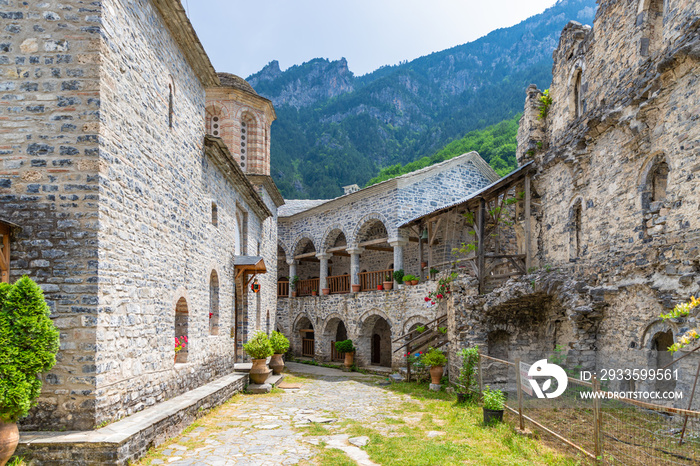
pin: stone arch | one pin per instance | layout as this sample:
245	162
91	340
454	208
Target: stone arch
334	329
302	322
332	235
181	328
214	117
412	322
653	182
575	84
657	337
366	221
374	341
303	245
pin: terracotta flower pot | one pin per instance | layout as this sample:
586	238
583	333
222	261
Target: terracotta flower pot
436	374
9	438
326	291
294	294
388	285
314	293
259	372
423	265
355	288
414	282
277	364
349	359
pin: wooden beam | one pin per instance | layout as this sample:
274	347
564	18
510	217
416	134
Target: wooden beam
413	240
5	254
528	200
431	238
372	242
336	249
379	248
305	255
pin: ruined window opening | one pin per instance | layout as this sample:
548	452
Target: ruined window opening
575	231
655	186
498	343
214	303
578	100
181	329
214	214
651	20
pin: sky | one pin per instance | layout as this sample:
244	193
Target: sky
241	37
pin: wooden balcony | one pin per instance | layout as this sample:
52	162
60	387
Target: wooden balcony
339	284
305	287
282	289
371	280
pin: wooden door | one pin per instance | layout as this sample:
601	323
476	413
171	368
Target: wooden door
376	349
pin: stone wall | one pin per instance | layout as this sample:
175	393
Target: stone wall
50	107
359	312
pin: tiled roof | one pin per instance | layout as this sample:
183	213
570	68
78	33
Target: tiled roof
294	206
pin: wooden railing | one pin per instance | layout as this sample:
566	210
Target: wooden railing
307	347
339	284
283	289
370	280
304	287
336	356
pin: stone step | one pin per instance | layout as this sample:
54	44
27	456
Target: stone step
125	441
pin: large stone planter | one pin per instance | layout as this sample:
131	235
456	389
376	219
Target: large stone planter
9	438
277	364
259	372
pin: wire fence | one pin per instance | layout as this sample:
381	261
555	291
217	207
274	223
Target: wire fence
590	420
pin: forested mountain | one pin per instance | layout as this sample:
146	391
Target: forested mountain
335	129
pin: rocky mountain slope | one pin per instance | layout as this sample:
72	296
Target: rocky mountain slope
335	129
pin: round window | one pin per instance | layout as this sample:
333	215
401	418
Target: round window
216	133
242	165
242	151
242	144
242	123
242	157
216	118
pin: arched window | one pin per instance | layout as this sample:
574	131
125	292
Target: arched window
241	234
214	303
655	184
650	19
181	330
577	97
214	214
249	141
660	344
575	230
170	105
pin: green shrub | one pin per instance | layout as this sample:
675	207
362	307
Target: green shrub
398	275
467	380
259	346
494	399
434	357
280	343
409	277
344	346
29	342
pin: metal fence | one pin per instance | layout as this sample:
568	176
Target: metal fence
607	431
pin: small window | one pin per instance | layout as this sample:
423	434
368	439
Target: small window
170	106
214	214
578	99
575	231
213	303
655	186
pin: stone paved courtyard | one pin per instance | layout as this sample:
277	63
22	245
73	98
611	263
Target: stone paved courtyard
270	429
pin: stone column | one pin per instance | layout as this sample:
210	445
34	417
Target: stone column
323	274
398	244
355	264
292	271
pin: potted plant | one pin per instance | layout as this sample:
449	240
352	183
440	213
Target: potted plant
345	347
494	403
410	279
29	345
467	382
355	288
388	282
423	264
433	272
180	344
436	359
293	285
280	345
398	276
326	291
314	292
259	349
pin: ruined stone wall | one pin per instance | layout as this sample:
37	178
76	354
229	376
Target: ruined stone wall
50	108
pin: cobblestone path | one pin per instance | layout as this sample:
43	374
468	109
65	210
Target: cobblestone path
269	429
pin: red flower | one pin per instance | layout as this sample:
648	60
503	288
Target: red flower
432	302
440	296
211	314
427	298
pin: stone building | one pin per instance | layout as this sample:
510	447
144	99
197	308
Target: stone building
615	231
358	240
138	227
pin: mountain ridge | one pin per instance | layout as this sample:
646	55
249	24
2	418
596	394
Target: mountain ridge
335	129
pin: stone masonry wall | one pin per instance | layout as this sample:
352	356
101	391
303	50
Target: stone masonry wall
49	164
